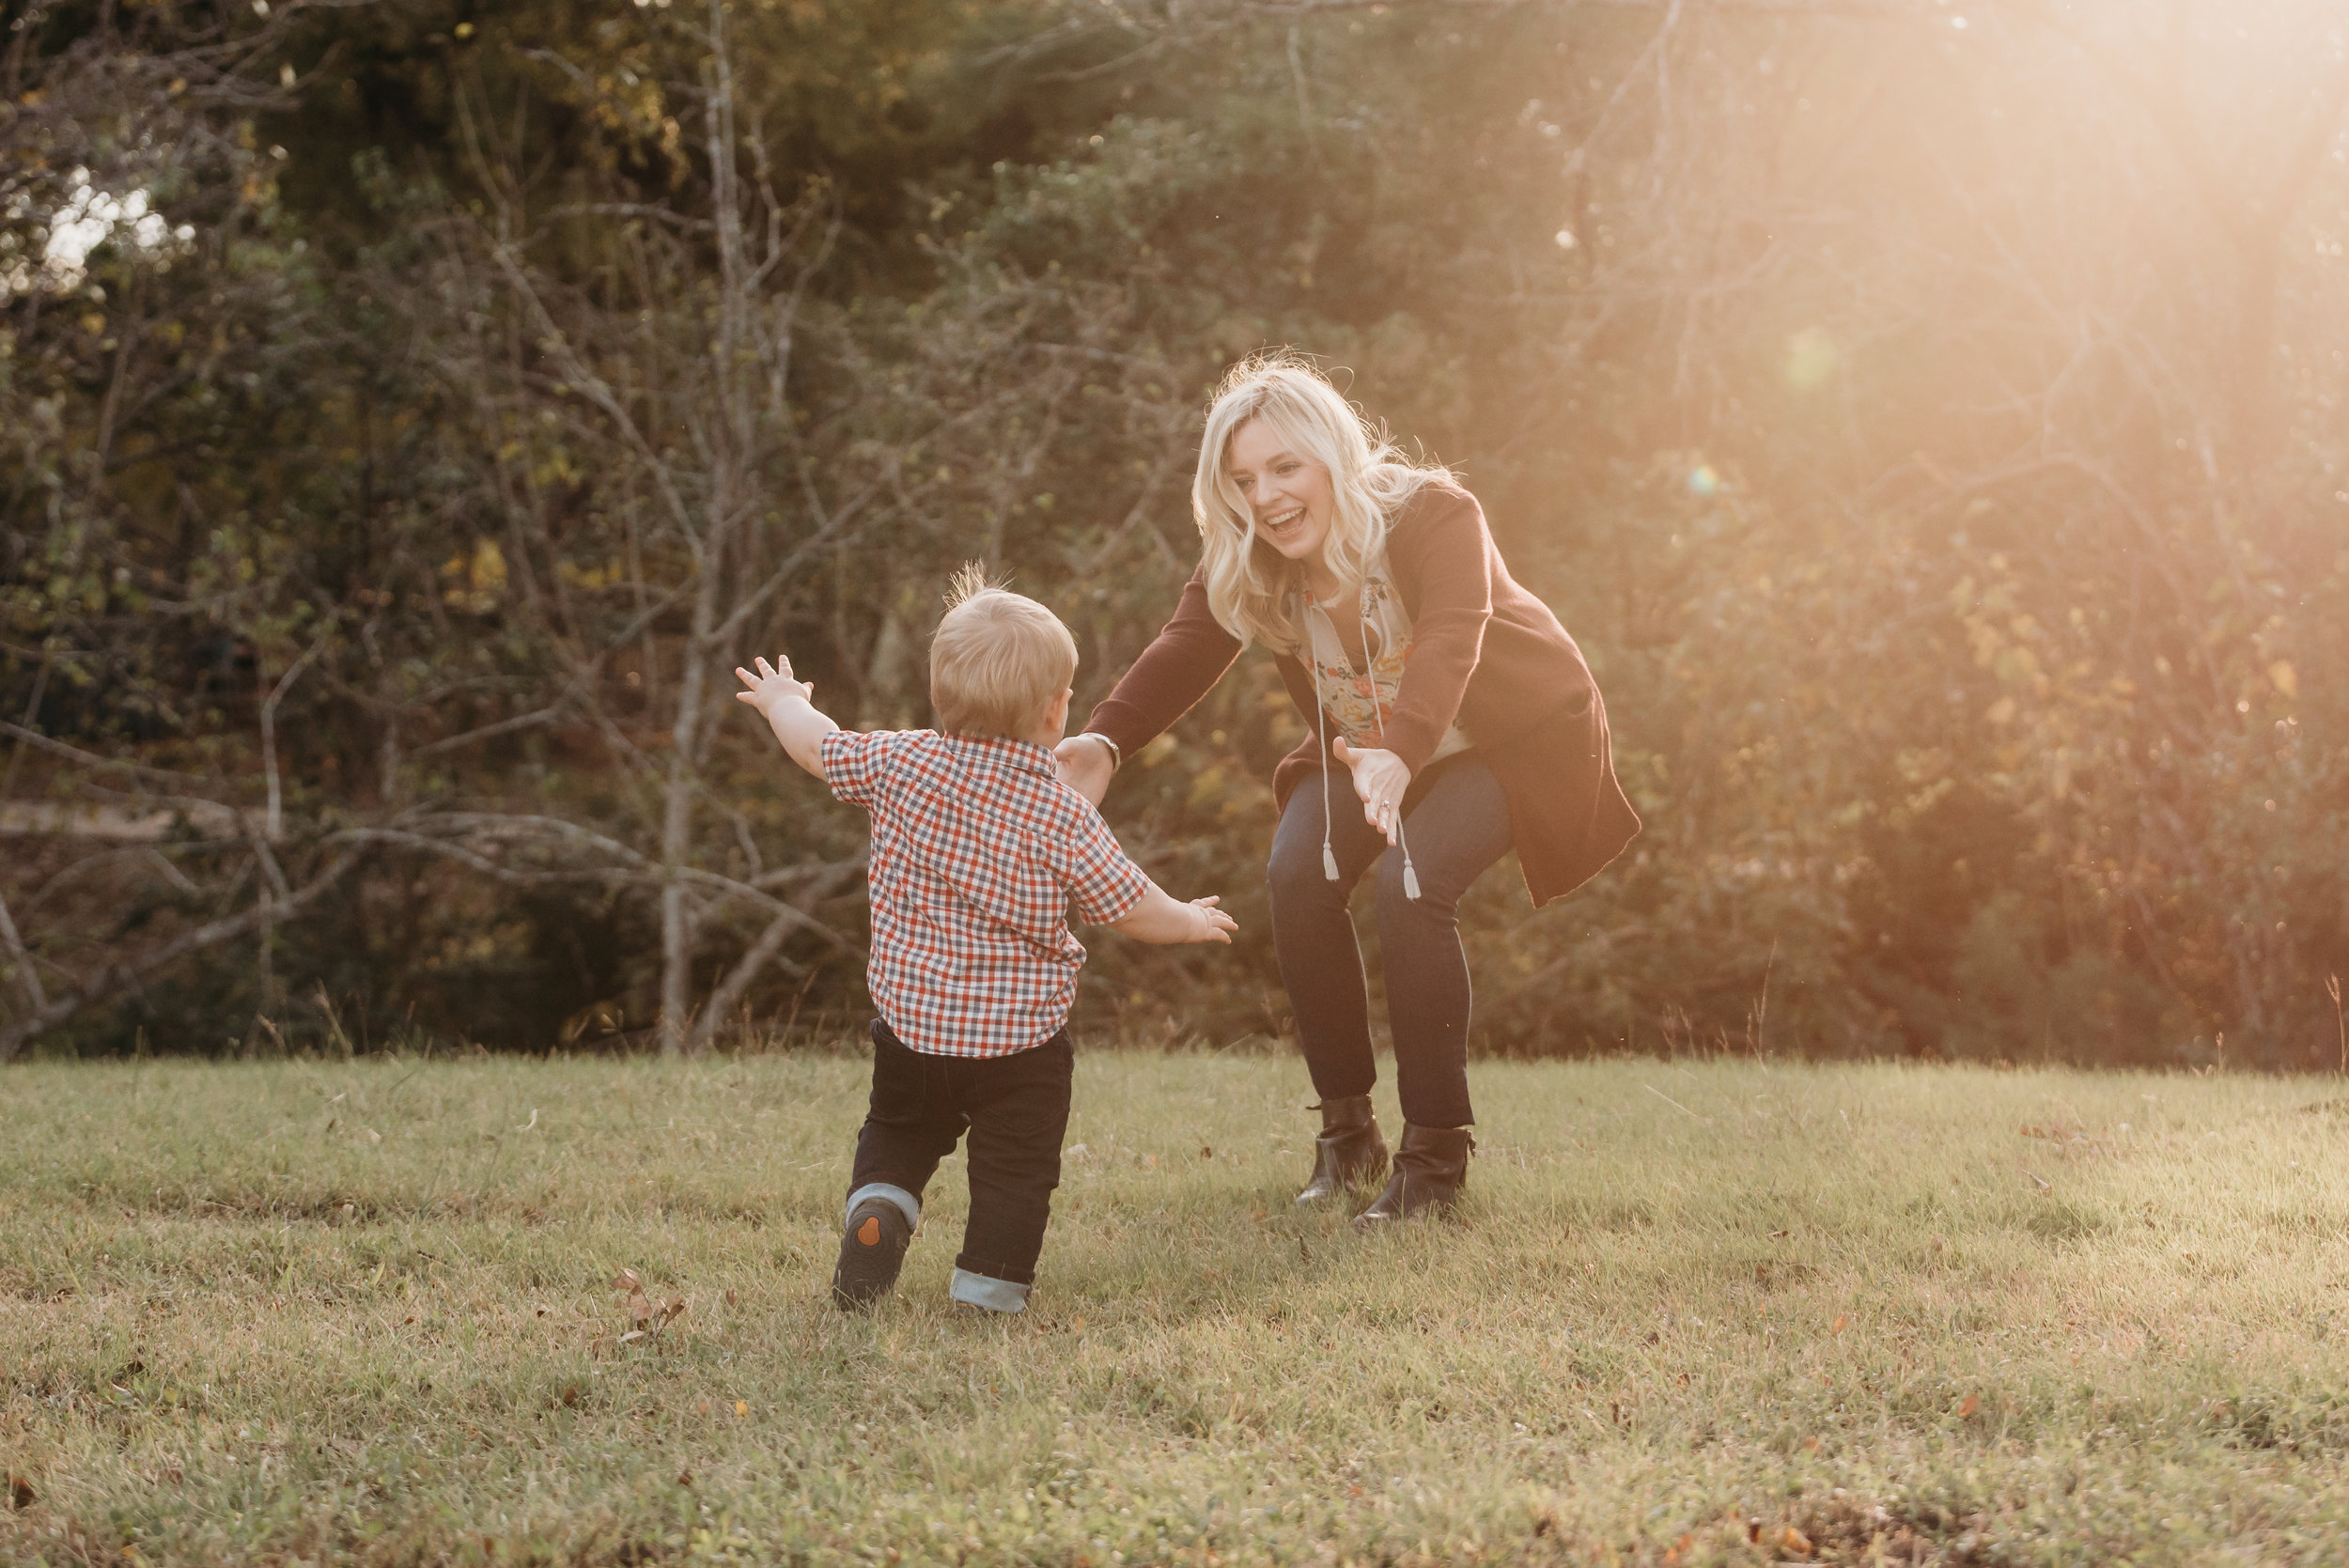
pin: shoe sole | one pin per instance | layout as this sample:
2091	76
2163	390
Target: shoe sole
872	1251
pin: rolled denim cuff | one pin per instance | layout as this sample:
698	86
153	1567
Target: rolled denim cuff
907	1204
979	1290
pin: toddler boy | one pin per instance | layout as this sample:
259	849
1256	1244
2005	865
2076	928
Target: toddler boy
979	850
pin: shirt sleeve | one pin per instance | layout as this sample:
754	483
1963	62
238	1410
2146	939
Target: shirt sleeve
1443	557
1180	666
1104	884
854	763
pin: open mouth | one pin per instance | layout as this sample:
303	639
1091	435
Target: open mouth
1283	523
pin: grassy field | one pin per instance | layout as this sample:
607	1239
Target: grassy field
1714	1312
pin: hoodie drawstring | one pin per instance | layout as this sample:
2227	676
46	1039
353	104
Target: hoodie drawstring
1321	716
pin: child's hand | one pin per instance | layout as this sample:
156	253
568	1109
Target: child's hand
771	684
1214	925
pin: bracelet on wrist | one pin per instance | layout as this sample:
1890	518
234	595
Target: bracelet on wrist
1118	757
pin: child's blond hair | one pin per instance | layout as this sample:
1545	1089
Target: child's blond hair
999	659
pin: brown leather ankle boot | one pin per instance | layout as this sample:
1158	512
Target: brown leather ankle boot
1430	1169
1348	1151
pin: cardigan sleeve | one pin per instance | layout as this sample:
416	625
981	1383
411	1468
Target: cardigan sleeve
1180	666
1441	556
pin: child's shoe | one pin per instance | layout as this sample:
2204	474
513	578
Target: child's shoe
872	1250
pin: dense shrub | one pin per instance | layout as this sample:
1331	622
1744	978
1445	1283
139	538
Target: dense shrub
1933	434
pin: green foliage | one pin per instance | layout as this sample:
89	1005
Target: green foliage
1931	435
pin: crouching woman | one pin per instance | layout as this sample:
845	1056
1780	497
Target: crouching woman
1452	719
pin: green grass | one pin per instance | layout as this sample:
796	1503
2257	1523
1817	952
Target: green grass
361	1311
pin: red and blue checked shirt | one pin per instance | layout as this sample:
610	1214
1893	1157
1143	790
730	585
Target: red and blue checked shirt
978	849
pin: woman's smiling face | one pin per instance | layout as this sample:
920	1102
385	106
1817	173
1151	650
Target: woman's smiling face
1289	495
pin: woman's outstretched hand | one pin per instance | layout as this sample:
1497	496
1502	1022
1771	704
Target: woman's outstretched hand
1379	778
1084	767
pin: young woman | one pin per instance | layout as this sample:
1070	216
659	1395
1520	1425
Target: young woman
1445	698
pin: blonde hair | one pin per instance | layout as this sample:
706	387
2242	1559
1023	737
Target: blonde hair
1369	480
999	659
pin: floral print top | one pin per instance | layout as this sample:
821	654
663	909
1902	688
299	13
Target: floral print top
1359	700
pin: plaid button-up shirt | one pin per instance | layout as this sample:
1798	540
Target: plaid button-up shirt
978	849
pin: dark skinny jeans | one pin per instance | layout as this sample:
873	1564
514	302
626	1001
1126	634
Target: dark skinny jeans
1456	820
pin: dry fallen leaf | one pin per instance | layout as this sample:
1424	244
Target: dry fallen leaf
676	1309
742	1407
631	1334
1076	1324
1206	1153
639	1308
627	1279
1837	1326
20	1493
1972	1403
1795	1542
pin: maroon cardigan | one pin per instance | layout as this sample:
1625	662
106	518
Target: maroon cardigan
1484	651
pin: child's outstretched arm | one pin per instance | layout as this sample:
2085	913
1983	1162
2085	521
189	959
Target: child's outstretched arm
785	703
1161	918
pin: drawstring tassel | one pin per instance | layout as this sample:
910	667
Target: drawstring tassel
1321	720
1411	872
